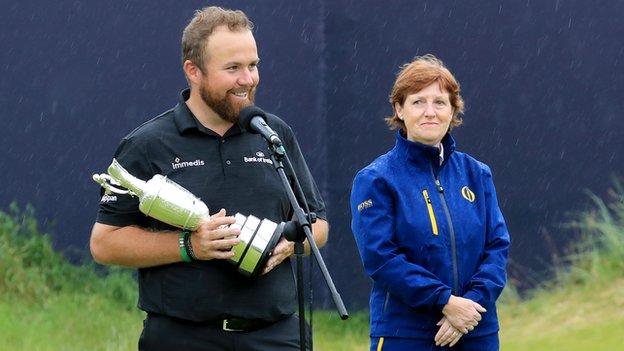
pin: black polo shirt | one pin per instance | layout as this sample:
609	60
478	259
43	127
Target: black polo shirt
233	172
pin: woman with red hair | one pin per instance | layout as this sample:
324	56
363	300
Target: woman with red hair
428	226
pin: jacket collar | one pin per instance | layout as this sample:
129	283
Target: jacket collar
420	153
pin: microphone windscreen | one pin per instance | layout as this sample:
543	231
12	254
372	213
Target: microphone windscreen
247	113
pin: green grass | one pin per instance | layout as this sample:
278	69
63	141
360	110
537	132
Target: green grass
69	322
571	319
48	304
583	307
332	333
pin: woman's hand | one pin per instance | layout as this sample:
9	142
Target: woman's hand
447	334
463	314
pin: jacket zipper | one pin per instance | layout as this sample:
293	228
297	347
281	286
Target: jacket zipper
434	224
447	214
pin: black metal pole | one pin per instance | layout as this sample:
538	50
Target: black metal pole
342	311
300	295
302	220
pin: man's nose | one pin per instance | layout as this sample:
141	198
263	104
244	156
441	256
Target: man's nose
246	78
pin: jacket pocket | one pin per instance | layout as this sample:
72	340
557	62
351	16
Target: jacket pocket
434	223
385	304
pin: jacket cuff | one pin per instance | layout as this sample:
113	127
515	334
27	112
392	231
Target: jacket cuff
444	297
473	295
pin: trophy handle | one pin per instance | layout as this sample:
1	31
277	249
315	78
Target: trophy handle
107	182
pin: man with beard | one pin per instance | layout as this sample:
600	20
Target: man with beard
195	299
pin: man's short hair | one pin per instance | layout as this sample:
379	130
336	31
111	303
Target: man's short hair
196	33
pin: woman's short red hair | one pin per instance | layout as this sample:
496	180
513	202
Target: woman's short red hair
415	76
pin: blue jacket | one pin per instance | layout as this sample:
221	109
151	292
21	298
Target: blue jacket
427	230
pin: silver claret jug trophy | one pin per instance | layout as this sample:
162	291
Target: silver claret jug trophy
168	202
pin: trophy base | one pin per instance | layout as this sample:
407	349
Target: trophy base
258	239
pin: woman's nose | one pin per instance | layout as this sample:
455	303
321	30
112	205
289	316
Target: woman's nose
429	110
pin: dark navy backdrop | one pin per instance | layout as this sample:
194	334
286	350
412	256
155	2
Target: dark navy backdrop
542	82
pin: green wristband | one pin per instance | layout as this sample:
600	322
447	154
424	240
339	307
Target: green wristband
188	245
185	257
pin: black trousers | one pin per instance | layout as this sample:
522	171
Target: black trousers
162	333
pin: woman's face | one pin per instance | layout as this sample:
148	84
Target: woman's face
427	114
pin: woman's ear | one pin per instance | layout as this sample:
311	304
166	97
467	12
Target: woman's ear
399	110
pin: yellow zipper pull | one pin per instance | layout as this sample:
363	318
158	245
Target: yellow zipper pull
434	224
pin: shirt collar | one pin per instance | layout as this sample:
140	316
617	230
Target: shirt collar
441	153
185	120
418	152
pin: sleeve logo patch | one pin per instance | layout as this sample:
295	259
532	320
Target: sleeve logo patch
468	194
364	205
108	198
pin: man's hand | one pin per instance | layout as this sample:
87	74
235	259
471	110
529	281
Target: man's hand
214	239
285	248
463	314
447	334
282	251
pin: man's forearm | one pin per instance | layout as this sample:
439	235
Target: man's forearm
320	232
133	246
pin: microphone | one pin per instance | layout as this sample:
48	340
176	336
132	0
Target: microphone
253	119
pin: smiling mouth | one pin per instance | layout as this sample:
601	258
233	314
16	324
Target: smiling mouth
241	95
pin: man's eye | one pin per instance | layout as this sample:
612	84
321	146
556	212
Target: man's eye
232	68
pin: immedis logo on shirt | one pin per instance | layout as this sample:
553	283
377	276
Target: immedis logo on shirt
177	164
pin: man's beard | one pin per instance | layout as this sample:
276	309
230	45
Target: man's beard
225	109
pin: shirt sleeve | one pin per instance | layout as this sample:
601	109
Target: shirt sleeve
122	209
373	223
486	285
308	185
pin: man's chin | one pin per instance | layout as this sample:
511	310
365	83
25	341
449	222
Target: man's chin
227	107
240	104
237	108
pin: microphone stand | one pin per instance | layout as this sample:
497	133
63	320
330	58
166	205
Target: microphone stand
303	231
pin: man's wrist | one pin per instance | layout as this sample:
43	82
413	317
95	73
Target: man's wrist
188	245
182	246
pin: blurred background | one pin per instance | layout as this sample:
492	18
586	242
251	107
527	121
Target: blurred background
542	81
